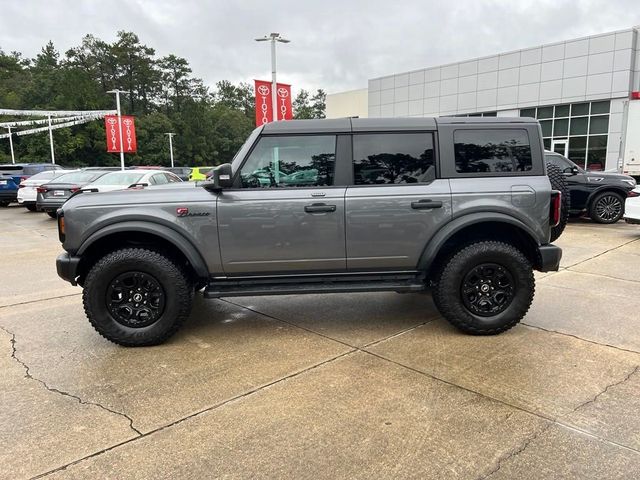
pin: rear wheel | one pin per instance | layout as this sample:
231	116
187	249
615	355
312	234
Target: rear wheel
137	297
607	207
485	288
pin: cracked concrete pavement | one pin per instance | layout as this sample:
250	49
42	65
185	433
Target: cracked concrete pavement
333	386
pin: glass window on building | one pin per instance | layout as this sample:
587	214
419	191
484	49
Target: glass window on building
581	127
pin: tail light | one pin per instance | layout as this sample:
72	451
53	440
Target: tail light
556	208
21	185
61	235
22	179
74	189
41	189
633	193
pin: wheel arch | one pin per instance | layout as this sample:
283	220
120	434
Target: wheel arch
142	234
477	227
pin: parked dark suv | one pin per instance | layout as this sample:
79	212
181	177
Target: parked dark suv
13	173
459	206
600	194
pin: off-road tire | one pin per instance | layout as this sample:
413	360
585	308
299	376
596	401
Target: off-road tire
559	183
447	291
602	197
53	214
31	208
174	281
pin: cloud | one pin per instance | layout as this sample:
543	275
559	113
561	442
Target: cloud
335	45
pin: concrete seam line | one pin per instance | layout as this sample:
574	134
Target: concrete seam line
593	342
58	391
556	420
40	300
196	414
600	254
363	350
306	329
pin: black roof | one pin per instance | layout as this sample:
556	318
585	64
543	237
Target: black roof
347	125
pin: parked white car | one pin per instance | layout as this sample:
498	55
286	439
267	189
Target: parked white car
632	206
124	179
27	190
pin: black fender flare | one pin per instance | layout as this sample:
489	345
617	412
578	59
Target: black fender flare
164	232
432	248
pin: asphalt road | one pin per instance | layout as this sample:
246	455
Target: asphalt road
334	386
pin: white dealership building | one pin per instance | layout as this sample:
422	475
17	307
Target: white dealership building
582	91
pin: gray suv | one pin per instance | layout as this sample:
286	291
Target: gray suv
461	207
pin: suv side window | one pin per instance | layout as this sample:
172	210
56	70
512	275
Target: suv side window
393	158
492	151
294	161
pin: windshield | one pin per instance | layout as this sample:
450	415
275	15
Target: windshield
119	178
78	177
240	154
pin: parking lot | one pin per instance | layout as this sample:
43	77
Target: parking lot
334	386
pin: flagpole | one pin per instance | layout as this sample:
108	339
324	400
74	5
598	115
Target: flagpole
13	158
53	155
117	92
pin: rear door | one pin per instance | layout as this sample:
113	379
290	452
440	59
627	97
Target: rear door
396	202
287	213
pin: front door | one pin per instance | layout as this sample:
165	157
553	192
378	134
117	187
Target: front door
396	204
561	147
286	216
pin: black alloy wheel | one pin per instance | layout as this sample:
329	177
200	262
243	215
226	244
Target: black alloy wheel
487	289
607	207
135	299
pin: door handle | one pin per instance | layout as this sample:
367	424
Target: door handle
319	208
426	204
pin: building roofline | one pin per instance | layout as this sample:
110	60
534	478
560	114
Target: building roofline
630	29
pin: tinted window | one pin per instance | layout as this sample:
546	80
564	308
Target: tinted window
393	158
300	161
78	177
492	151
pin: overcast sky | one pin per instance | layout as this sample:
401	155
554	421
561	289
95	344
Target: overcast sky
335	45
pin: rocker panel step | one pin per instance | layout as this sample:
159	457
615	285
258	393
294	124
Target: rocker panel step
292	286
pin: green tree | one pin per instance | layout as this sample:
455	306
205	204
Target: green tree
307	106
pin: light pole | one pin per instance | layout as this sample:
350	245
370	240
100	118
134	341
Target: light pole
117	92
13	158
53	155
273	38
171	134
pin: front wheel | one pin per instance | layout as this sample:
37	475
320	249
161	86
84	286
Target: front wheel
607	207
485	288
137	297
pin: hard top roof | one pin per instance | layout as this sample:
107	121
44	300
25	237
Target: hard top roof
347	125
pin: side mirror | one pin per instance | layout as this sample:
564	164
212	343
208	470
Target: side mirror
574	171
221	177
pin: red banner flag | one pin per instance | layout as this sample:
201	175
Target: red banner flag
129	142
264	102
284	101
264	106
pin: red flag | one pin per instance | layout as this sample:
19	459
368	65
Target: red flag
129	143
264	113
113	135
284	101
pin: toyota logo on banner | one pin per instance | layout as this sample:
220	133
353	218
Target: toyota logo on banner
264	102
123	133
